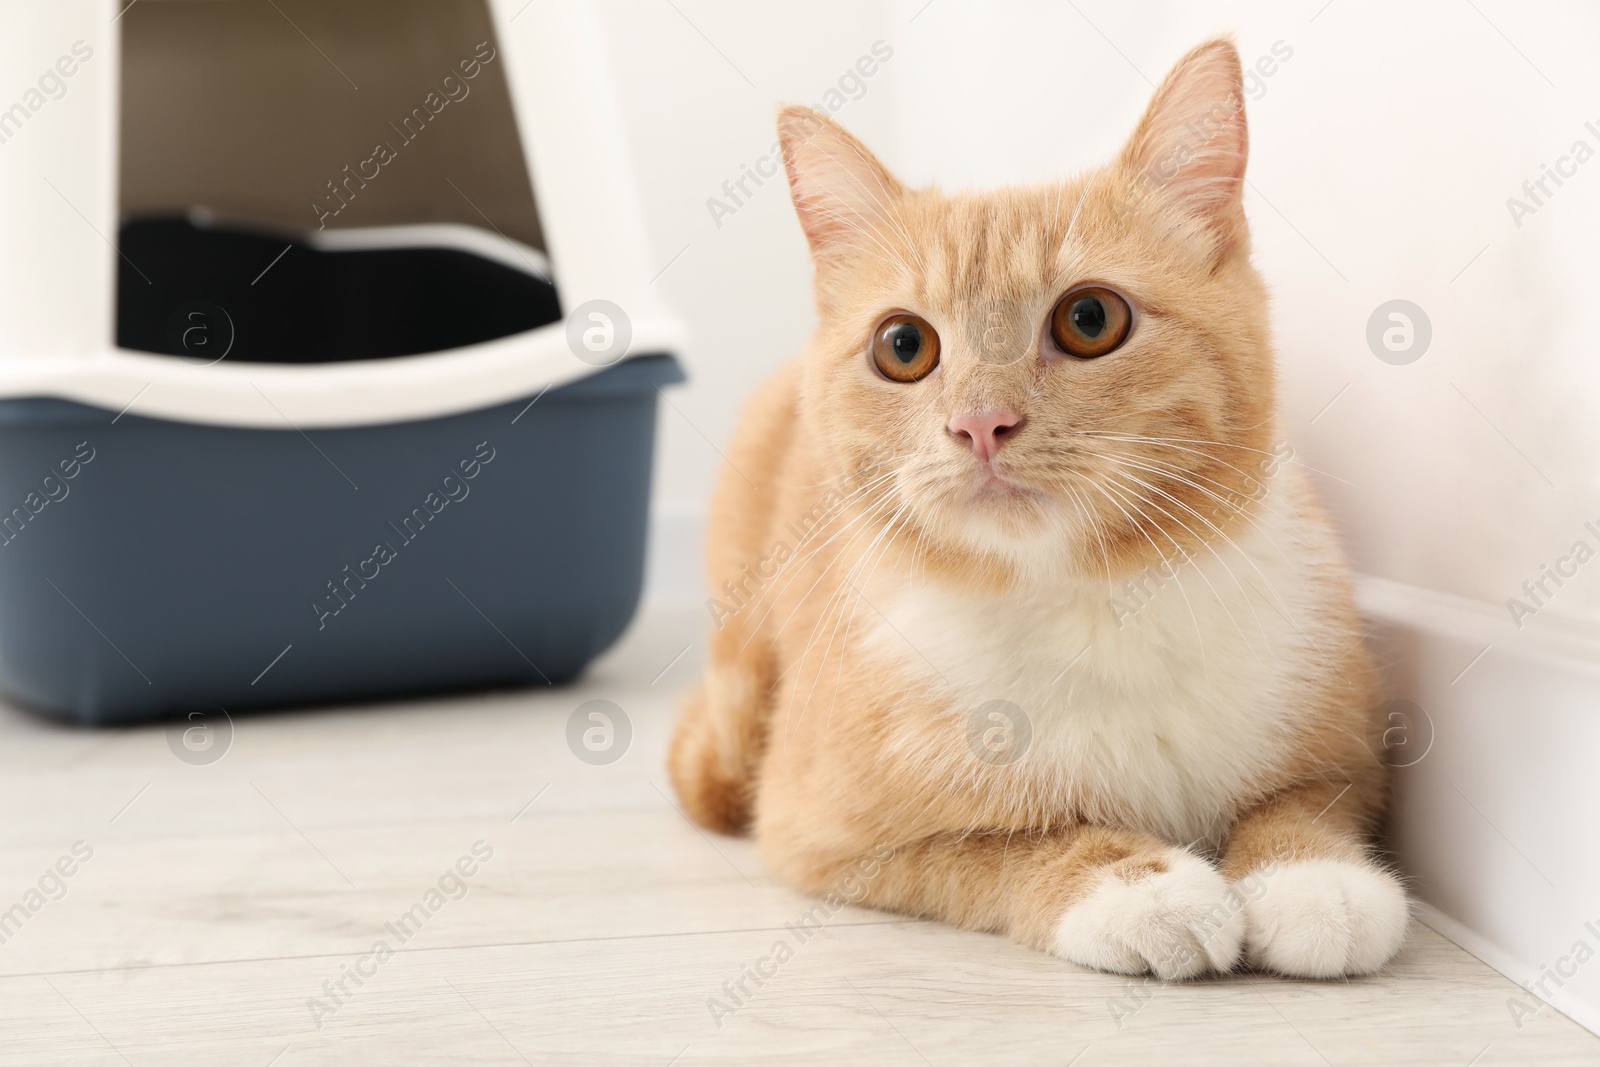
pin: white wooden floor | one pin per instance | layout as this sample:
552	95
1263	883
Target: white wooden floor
220	899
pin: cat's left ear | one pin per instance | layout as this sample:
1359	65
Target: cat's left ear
1192	143
840	189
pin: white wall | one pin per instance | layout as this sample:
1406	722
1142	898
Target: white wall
744	286
1383	153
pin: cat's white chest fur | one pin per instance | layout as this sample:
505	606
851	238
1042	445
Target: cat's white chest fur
1166	722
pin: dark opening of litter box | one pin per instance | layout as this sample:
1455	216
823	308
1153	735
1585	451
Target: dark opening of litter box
212	292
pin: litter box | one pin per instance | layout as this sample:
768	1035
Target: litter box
286	418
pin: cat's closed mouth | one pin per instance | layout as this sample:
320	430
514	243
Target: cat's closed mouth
995	487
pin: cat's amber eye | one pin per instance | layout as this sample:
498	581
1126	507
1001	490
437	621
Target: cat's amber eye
905	348
1090	322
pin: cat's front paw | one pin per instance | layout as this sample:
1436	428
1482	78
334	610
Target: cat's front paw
1176	921
1324	918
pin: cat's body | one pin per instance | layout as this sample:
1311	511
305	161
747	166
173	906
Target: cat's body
1041	628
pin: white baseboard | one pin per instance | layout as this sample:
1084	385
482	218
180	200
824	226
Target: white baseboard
1518	1008
1495	823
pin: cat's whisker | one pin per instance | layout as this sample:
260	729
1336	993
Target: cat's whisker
836	599
1086	521
844	646
864	519
1215	529
797	567
1173	565
867	185
799	556
1243	448
842	505
1184	557
1253	476
840	594
885	213
1189	470
888	252
890	528
857	471
1072	222
1250	516
1253	507
1138	527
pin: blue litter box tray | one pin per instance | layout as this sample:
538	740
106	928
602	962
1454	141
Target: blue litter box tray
152	567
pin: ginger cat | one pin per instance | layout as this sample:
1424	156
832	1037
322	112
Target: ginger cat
1015	584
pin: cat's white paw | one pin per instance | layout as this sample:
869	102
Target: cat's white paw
1175	923
1324	918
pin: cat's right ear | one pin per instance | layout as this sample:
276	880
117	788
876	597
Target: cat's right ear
840	189
1192	143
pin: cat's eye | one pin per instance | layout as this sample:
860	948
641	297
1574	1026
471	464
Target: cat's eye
905	348
1090	322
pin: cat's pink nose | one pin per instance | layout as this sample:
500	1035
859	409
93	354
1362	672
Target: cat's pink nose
985	431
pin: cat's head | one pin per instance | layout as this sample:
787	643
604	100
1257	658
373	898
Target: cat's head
1070	374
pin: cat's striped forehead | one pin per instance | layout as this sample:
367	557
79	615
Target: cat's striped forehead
1004	246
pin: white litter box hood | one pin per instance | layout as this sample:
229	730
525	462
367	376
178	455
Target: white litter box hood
58	269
